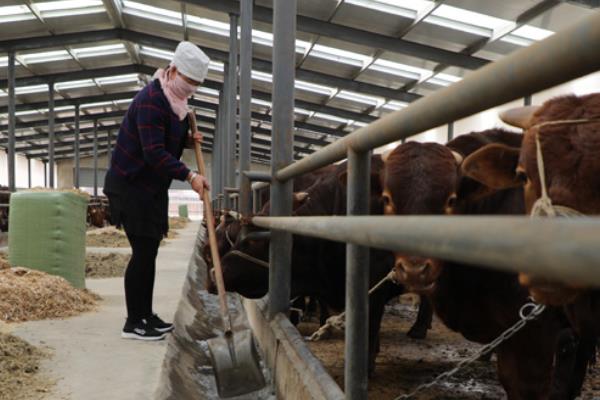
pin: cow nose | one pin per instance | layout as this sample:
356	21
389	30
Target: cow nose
413	271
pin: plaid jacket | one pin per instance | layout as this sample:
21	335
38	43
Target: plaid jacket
150	142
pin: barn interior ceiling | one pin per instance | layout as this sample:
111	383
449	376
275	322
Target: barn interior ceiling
356	59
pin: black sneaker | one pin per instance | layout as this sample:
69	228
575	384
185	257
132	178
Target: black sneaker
158	324
141	331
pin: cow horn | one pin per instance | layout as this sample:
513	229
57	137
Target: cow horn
458	157
300	196
519	116
386	154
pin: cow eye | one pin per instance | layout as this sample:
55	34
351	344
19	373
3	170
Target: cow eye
521	176
386	200
451	201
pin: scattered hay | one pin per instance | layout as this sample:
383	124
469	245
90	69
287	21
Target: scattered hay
4	261
178	222
107	265
19	366
27	295
106	237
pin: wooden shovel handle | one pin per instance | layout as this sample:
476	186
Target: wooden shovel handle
212	235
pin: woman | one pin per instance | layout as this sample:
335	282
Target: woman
144	162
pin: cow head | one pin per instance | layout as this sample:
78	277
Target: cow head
419	178
571	164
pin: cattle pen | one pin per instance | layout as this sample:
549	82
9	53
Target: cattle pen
302	103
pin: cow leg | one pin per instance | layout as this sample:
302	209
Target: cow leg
564	366
586	354
323	311
423	322
525	368
377	302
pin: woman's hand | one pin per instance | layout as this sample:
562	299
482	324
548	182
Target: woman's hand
199	183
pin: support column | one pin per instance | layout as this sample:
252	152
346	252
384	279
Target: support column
357	282
244	199
29	172
232	105
109	153
284	62
77	161
450	131
95	158
12	183
225	146
527	100
46	174
51	134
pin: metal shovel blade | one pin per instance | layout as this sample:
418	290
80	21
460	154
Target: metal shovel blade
236	364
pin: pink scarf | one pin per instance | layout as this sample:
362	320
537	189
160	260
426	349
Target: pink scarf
177	91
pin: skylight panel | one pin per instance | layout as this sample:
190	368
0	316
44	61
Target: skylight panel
4	62
74	84
111	80
98	51
62	8
526	35
31	89
443	79
262	76
360	98
15	14
465	21
98	104
208	91
403	8
313	87
333	118
157	53
27	112
397	69
153	13
45	56
341	56
302	111
261	103
394	105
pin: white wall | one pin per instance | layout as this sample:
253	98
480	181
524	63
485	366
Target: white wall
37	171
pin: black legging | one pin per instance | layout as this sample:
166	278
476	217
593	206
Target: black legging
139	277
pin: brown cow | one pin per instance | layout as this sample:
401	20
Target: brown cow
425	178
4	201
572	174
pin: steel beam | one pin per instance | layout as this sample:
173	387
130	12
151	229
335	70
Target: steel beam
245	199
12	186
280	246
95	150
357	282
51	133
470	240
77	162
557	59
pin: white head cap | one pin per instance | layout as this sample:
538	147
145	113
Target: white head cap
191	61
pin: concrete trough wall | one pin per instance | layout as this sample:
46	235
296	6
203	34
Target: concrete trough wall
298	374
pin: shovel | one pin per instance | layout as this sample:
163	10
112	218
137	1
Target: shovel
234	356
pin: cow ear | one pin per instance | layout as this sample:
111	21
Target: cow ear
519	117
385	155
494	166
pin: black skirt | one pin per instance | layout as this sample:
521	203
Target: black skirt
138	211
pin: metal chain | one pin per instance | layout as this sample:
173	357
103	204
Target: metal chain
536	310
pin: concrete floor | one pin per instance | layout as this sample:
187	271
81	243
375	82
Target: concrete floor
90	359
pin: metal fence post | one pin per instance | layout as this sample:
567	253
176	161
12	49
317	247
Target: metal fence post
232	105
95	158
280	250
244	198
225	156
12	184
357	282
450	131
29	172
77	161
51	134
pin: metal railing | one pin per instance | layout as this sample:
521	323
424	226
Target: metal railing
557	59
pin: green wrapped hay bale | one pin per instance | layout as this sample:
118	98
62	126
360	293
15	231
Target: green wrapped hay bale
183	211
47	233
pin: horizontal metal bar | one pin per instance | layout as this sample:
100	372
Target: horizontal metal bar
557	59
259	185
231	189
258	176
561	249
